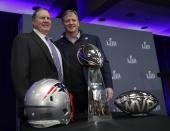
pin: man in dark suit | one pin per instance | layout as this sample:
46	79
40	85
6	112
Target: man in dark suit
31	58
75	75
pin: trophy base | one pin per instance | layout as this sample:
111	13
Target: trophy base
99	118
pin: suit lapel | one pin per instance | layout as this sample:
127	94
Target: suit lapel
43	46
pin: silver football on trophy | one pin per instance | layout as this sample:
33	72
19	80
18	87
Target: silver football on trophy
47	103
90	55
136	102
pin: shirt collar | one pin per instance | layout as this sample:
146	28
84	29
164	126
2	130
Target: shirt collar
42	36
70	37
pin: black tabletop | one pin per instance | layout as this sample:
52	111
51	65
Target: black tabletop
118	123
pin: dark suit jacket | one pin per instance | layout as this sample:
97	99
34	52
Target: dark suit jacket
30	61
84	39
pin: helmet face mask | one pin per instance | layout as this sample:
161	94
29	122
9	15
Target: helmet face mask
89	55
47	103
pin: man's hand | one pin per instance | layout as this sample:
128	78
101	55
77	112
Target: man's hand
109	93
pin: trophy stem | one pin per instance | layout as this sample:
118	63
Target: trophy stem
98	107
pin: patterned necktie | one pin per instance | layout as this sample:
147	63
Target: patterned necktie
55	58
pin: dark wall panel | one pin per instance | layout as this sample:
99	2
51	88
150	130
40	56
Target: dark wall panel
9	28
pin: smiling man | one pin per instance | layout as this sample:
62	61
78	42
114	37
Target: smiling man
75	75
32	58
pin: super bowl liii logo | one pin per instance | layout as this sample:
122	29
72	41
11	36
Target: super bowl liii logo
115	75
146	46
150	75
110	42
131	60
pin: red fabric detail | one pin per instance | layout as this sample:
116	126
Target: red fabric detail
72	105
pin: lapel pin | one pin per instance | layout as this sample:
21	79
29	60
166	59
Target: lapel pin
86	38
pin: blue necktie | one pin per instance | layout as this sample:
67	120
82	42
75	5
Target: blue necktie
55	58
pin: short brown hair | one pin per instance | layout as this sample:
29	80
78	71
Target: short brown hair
68	11
36	11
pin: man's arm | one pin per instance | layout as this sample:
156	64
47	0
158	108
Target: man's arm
19	66
106	73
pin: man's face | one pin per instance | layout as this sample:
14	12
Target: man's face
71	23
42	22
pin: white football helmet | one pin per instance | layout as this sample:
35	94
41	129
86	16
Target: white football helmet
47	103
